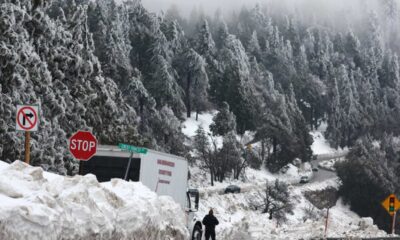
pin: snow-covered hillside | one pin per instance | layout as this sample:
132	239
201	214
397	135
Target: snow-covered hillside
36	205
238	220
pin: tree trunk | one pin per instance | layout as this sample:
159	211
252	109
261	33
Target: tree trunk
262	150
311	118
274	144
187	91
197	115
212	176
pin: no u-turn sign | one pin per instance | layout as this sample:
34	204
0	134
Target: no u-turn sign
27	118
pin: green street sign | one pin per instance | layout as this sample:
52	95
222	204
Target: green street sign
132	149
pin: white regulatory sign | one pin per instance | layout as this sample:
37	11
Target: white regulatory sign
27	118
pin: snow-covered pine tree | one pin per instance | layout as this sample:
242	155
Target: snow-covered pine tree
229	159
196	84
333	132
163	86
224	122
236	86
204	153
350	108
254	48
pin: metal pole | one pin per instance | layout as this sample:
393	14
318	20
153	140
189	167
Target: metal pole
80	168
326	222
393	223
27	147
128	167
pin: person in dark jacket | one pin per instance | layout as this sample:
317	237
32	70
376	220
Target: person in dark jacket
210	221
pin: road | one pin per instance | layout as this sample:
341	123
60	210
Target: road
320	176
323	174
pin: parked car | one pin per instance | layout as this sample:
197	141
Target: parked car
304	179
315	169
232	189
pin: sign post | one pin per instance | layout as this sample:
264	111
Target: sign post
83	145
132	150
128	167
392	205
27	147
27	120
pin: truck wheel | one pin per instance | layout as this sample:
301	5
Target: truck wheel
197	232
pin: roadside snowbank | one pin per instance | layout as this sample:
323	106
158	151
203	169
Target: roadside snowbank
330	164
293	174
38	205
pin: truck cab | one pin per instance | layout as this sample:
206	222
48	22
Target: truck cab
165	174
194	222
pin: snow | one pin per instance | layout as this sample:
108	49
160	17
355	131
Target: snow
39	205
293	173
330	164
320	145
239	221
190	126
204	120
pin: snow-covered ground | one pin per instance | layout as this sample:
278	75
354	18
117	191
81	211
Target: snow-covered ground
320	145
43	206
239	221
190	126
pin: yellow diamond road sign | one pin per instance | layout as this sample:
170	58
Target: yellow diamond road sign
391	204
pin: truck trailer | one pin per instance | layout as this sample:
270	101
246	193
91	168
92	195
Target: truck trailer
165	174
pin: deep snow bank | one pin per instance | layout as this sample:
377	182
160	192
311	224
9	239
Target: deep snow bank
39	205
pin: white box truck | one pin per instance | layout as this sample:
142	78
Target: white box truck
166	174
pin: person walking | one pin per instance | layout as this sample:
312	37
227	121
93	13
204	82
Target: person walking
210	221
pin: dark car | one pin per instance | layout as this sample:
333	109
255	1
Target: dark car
304	179
232	189
315	169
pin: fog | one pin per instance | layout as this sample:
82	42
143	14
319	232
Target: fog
186	6
313	7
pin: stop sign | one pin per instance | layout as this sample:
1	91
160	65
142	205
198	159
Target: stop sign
83	145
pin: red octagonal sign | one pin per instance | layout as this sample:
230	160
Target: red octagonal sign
83	145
